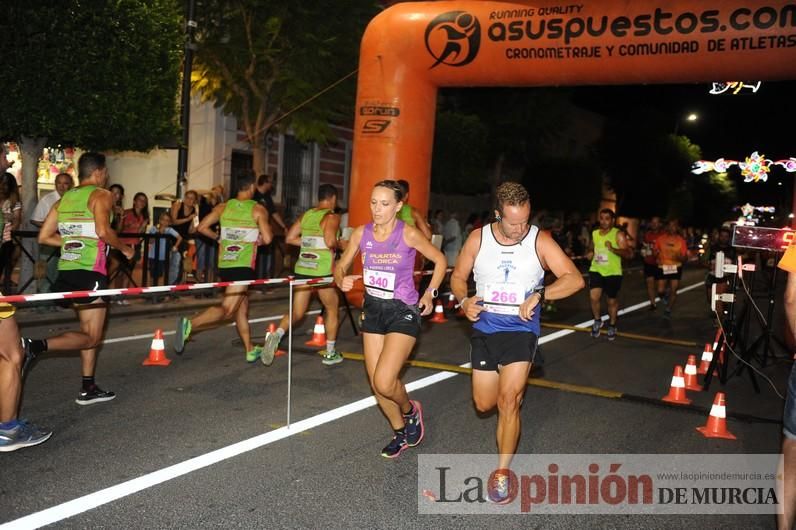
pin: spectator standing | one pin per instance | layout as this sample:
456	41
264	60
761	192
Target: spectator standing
438	222
134	221
115	257
11	208
48	256
452	239
183	214
206	248
161	248
264	190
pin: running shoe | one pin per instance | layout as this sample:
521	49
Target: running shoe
414	425
253	355
330	358
94	395
396	446
499	489
183	332
29	355
611	332
269	349
595	328
23	435
667	313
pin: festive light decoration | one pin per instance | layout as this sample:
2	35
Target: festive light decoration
747	209
754	168
734	86
748	217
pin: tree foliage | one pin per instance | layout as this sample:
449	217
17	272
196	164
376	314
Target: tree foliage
100	75
487	135
644	162
569	184
260	59
459	156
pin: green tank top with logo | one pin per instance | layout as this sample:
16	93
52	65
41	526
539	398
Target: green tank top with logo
315	258
605	262
81	248
405	215
239	234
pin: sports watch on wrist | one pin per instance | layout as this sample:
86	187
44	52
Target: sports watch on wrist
540	292
434	292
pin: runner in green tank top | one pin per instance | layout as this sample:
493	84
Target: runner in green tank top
409	214
607	249
244	226
316	232
80	225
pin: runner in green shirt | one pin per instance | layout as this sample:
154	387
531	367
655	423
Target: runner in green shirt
80	225
244	226
607	249
316	233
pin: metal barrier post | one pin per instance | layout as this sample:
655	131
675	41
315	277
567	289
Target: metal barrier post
289	347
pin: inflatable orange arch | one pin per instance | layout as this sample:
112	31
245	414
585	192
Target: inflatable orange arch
411	49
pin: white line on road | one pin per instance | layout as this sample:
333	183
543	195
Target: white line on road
124	489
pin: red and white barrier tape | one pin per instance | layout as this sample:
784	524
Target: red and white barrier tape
136	291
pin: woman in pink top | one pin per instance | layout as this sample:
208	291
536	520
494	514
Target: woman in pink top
134	221
391	312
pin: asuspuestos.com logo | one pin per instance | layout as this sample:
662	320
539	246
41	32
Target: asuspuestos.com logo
529	24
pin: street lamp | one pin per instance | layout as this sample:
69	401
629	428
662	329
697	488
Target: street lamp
690	117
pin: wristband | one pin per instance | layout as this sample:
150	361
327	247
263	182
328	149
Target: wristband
540	292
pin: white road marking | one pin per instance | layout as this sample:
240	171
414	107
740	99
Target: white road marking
112	493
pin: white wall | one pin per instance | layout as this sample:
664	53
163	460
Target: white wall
151	173
212	138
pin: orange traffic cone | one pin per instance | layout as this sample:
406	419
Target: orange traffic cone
272	329
439	314
704	363
677	389
691	382
318	334
157	352
716	427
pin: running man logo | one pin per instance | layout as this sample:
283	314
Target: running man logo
453	38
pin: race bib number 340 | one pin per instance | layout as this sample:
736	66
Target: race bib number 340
380	284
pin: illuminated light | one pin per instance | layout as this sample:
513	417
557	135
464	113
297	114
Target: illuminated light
754	168
734	87
790	216
692	117
779	183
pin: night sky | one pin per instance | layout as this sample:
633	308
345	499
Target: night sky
729	126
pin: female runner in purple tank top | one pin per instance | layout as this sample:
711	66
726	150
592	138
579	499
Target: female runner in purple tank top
391	313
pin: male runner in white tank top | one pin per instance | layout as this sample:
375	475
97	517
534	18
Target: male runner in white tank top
508	258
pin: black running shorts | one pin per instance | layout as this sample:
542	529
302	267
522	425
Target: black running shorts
489	351
389	316
79	280
674	276
236	274
609	284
